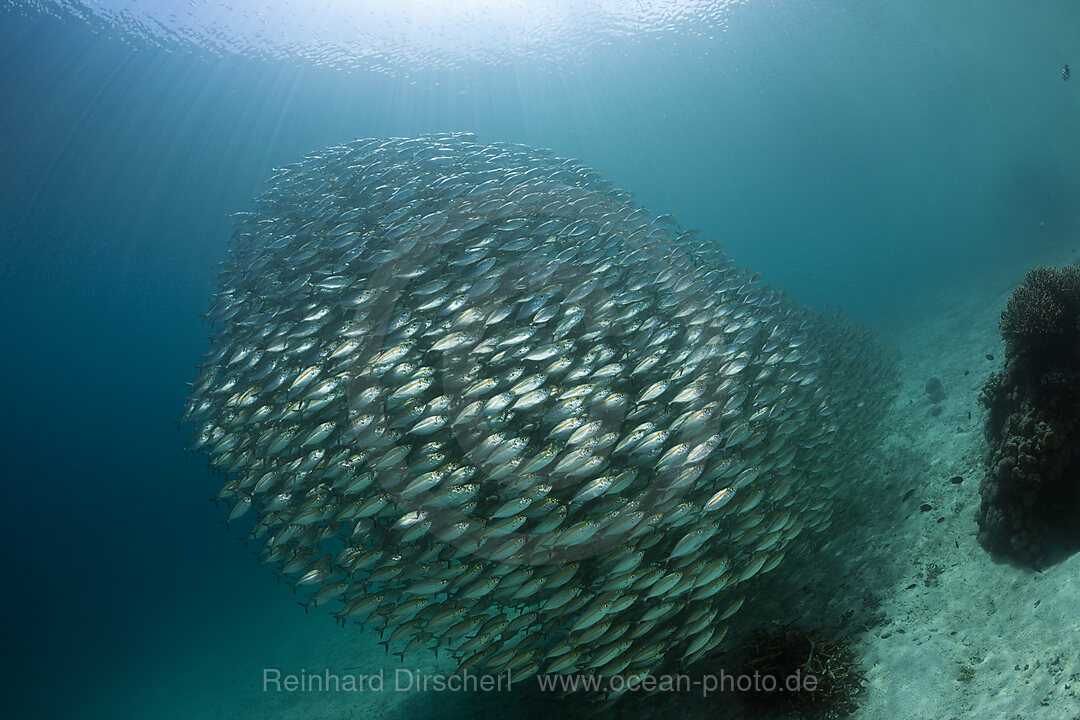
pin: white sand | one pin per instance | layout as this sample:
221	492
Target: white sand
975	637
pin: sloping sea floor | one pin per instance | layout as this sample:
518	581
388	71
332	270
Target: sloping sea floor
940	628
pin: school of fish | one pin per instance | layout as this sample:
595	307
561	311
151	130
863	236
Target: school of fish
468	394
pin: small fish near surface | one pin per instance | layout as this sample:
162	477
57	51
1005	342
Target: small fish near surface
1065	72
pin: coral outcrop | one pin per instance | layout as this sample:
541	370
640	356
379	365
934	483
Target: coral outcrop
800	672
1030	494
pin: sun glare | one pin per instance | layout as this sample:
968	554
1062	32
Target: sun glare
374	33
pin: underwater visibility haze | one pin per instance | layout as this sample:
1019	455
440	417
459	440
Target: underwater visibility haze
542	342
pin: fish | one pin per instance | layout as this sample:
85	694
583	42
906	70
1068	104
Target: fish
1065	72
541	429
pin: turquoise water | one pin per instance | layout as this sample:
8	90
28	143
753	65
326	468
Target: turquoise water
859	154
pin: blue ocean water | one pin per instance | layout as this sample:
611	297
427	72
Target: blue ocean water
858	154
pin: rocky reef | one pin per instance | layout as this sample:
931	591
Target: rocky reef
800	672
1030	494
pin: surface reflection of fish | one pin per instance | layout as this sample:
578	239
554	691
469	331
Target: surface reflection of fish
1064	72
